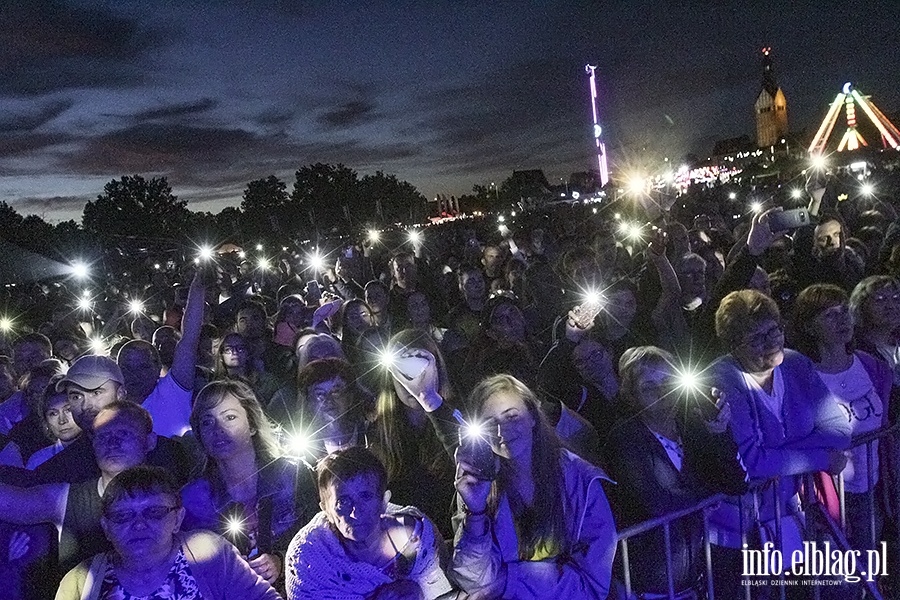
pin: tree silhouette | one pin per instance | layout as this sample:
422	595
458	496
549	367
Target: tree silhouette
384	198
268	210
134	206
325	193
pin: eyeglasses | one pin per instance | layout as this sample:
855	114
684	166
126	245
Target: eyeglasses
774	334
234	350
151	513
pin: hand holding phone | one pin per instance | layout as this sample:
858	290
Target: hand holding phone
313	292
584	314
476	453
788	219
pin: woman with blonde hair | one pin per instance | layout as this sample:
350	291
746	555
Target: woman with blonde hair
245	490
541	527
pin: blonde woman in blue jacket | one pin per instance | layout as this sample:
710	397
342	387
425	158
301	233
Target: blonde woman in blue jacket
543	527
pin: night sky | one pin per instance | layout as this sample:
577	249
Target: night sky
442	94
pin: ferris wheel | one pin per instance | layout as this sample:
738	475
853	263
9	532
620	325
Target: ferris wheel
848	99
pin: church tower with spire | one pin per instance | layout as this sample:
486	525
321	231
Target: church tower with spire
771	106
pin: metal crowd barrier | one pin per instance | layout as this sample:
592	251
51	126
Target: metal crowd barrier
813	509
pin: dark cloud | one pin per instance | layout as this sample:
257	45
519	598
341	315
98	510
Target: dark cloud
60	207
50	45
176	110
348	114
18	144
162	148
276	116
32	120
215	156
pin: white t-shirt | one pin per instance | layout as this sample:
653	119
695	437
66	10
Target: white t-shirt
855	393
170	406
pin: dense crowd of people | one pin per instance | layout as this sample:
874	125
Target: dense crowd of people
470	411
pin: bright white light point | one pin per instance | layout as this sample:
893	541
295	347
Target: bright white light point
235	526
688	380
242	254
156	266
637	184
474	430
136	306
98	346
317	262
796	193
387	357
299	444
512	214
80	270
631	230
5	324
206	252
374	235
85	292
732	196
415	236
84	303
259	246
263	264
593	297
617	216
594	211
868	189
819	162
501	218
756	207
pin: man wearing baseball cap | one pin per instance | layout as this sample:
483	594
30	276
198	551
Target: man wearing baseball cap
91	384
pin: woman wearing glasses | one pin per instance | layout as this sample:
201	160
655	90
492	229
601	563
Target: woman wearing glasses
150	558
783	419
245	490
233	362
331	410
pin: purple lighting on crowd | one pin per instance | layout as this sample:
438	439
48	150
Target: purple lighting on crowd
601	147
